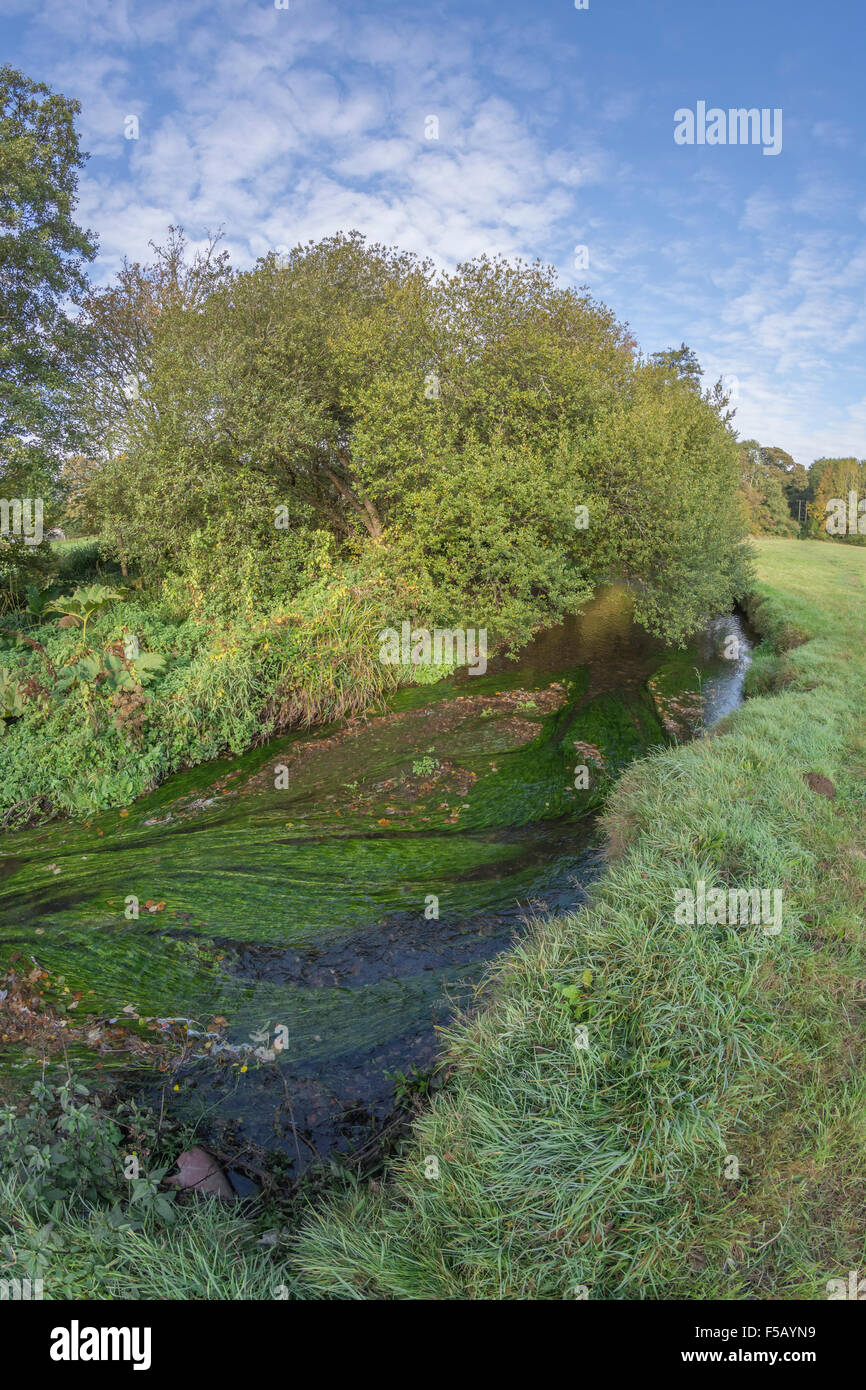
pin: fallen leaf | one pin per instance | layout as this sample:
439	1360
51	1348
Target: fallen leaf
199	1169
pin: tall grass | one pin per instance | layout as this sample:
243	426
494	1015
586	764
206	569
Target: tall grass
208	1252
228	683
604	1171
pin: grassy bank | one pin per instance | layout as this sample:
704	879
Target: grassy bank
89	728
545	1169
563	1169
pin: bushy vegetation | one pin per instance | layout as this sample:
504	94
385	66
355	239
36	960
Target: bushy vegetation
284	461
83	1207
833	480
450	424
782	498
101	708
65	1146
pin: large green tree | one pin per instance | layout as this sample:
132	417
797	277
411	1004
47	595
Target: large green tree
42	256
487	431
116	397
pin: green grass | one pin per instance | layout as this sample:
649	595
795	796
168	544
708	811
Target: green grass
207	1253
80	560
603	1169
566	1171
227	685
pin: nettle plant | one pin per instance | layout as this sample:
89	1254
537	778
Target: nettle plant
66	1145
114	669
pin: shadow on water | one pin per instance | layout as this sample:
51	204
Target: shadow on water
313	912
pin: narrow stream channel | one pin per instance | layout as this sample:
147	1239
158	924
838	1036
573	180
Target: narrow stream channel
310	913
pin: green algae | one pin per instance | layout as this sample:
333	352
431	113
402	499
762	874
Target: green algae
293	888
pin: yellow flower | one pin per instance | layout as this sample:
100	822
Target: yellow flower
244	1067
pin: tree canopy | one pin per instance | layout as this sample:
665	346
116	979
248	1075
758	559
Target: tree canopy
42	257
448	425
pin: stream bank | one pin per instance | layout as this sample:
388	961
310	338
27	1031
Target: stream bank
268	946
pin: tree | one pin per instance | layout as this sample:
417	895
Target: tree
119	325
342	372
772	486
115	392
664	467
832	481
444	426
679	364
796	488
42	255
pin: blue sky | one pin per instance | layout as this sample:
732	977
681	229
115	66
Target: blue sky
555	130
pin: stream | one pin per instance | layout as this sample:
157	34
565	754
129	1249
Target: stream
268	944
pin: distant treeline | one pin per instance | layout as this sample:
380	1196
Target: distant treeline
783	498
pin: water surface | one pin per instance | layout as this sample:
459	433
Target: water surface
309	914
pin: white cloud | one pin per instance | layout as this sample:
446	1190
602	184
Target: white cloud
282	125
